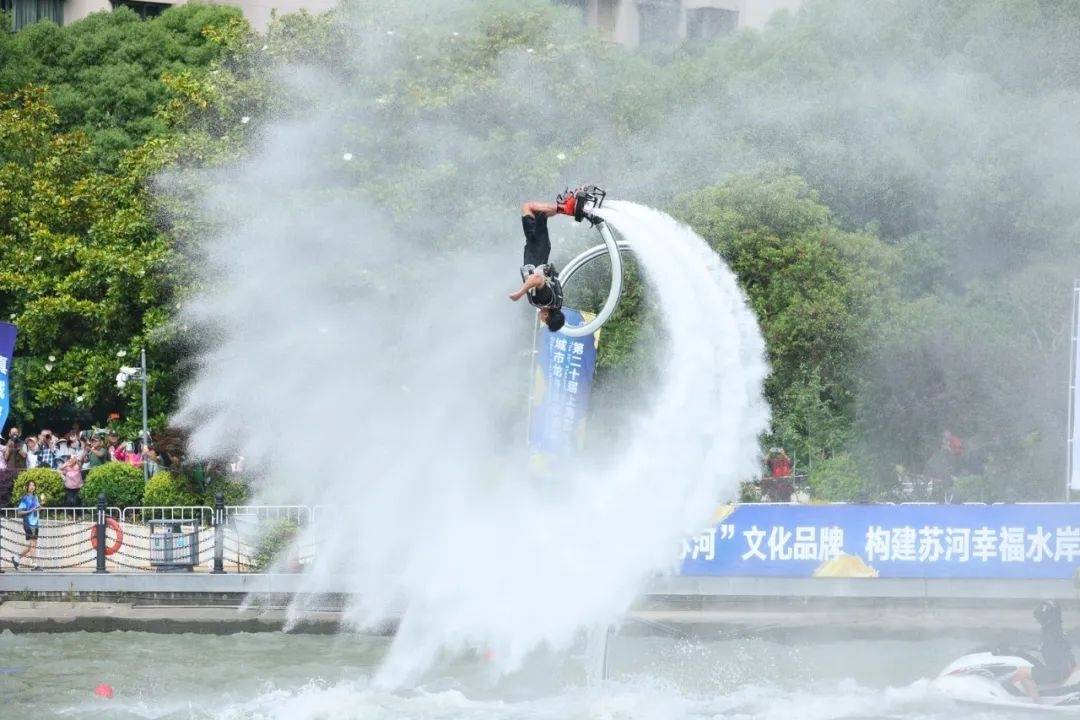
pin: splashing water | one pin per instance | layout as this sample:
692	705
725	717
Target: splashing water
403	418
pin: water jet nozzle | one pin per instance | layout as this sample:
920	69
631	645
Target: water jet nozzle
578	202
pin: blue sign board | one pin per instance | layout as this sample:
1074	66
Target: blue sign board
889	541
562	383
7	353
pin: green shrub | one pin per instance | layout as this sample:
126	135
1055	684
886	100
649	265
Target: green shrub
235	491
276	538
121	483
164	488
836	479
972	488
49	483
749	492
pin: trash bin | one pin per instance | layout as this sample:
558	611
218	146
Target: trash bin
174	545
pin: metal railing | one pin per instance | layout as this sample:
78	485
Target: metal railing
223	538
62	514
203	514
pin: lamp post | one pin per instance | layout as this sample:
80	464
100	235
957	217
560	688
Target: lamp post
127	373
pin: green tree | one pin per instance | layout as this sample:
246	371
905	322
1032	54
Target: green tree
84	273
104	73
819	293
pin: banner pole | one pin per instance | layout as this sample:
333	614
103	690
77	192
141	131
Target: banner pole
1072	392
532	382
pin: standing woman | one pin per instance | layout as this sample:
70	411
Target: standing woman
28	510
73	479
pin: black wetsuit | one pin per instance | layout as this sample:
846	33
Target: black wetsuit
537	252
1058	661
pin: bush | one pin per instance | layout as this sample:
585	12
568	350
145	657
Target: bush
164	488
235	491
50	485
277	537
121	483
836	479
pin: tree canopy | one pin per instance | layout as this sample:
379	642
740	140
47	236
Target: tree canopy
104	74
895	187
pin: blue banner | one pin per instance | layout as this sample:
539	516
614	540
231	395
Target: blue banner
562	383
7	354
889	541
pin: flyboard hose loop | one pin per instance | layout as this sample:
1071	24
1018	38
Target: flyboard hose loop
612	249
579	202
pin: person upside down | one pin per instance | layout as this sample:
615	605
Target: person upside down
540	281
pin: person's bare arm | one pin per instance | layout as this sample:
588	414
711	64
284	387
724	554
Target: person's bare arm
1027	683
534	280
534	208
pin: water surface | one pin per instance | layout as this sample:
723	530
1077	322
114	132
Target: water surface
307	677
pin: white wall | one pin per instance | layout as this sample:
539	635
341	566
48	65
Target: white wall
78	9
626	27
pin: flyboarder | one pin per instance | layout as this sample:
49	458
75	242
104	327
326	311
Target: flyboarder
540	280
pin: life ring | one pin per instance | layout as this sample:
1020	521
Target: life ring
117	542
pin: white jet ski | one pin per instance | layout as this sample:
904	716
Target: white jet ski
985	678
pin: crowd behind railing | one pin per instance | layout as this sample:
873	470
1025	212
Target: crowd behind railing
76	452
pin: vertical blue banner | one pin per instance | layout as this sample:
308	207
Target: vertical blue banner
562	383
7	353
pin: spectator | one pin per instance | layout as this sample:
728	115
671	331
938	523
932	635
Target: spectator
63	451
27	509
97	454
951	443
30	452
74	442
779	463
9	453
135	453
16	459
125	453
156	458
113	444
777	487
46	450
15	450
73	479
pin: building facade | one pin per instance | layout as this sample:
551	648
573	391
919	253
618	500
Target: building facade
629	22
63	12
633	22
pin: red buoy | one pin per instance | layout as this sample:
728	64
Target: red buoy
103	691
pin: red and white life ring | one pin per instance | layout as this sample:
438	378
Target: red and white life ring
118	540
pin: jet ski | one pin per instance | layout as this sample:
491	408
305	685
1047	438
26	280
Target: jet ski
985	677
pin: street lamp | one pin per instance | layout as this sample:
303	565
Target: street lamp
128	373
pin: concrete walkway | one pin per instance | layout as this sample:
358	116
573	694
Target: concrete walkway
709	607
739	619
700	590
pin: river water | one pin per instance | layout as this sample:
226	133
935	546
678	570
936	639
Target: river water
309	677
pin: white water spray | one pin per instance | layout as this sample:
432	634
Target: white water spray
396	418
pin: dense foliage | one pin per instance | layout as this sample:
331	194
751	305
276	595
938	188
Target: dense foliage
48	482
273	541
105	74
121	483
164	489
895	186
